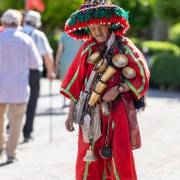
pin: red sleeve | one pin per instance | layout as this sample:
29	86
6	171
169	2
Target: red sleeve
138	85
75	78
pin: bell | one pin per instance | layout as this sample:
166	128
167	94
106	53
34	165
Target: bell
90	156
128	72
93	58
120	60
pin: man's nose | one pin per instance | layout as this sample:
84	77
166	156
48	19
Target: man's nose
98	32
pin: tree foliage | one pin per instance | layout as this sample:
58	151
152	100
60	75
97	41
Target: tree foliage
58	11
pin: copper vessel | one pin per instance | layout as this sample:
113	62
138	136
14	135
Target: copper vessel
120	60
110	71
129	72
93	58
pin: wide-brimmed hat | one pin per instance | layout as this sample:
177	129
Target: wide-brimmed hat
33	17
97	12
11	16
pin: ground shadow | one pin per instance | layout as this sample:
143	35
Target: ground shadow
5	164
52	112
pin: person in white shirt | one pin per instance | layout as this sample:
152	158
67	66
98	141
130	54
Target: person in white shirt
32	21
18	54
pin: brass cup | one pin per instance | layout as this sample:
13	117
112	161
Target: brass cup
93	58
94	98
110	71
100	87
120	60
101	66
129	72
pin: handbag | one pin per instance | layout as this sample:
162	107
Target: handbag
135	137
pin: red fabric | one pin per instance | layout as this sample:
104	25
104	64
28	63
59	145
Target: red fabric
120	143
1	28
35	4
119	136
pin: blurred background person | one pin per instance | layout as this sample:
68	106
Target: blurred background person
18	54
67	50
1	28
32	21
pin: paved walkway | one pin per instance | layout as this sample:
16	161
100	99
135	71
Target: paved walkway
51	156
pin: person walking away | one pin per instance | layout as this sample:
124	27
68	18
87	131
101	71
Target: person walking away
67	50
1	28
107	80
18	54
32	21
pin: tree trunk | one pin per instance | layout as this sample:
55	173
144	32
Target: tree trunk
159	29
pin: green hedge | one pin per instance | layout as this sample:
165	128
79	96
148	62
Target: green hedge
174	34
155	47
165	71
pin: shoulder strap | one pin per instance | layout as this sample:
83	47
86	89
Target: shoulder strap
93	73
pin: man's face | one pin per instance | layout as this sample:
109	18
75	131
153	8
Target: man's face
99	32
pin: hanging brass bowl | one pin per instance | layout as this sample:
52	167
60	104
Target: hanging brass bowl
110	71
101	65
129	72
93	58
120	60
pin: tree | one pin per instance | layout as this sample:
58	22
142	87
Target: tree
58	11
139	16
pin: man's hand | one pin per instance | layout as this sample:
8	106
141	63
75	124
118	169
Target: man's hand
69	123
123	88
51	75
111	95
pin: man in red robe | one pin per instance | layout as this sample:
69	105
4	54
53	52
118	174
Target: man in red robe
97	22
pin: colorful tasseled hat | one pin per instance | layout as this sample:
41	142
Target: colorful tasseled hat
97	12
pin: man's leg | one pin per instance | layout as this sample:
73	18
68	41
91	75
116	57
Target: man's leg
34	81
2	112
15	116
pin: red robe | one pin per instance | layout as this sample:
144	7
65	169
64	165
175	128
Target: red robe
121	165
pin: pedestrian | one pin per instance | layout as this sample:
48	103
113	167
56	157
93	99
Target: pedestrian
106	81
32	21
67	50
1	28
18	54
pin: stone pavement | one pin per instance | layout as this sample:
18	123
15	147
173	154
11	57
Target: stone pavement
51	156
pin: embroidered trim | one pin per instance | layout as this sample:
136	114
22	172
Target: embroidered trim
129	51
132	88
113	124
115	170
69	94
104	174
73	79
88	49
86	171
